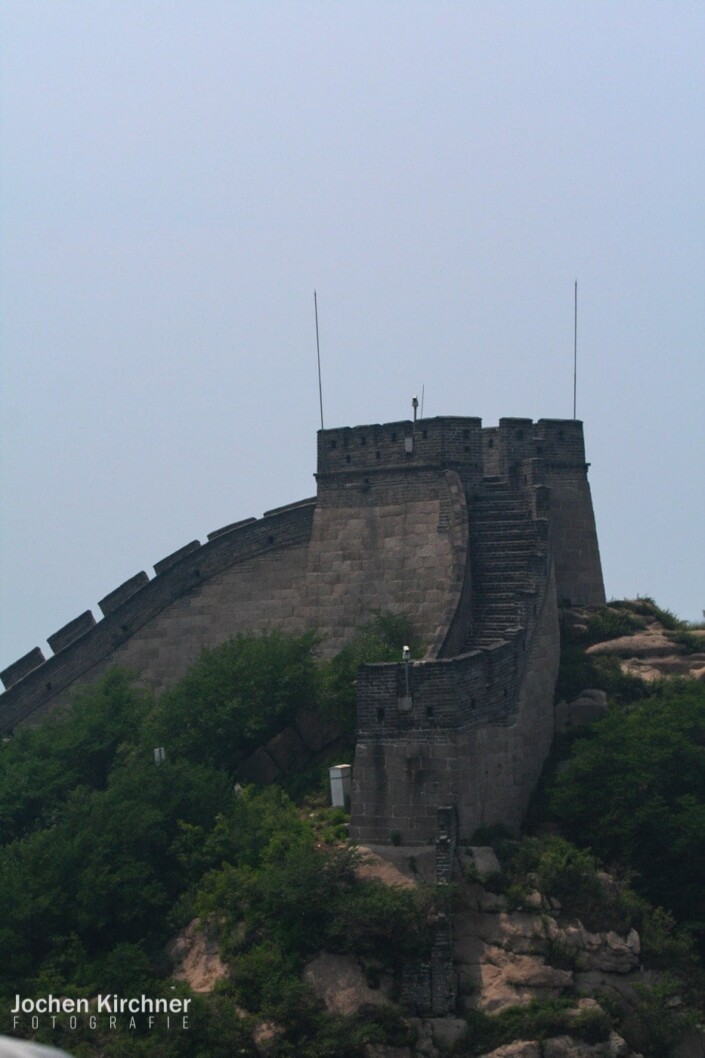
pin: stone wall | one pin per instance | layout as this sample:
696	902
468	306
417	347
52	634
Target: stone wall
398	545
476	736
240	580
573	538
471	534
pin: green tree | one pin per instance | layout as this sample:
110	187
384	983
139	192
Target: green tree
635	792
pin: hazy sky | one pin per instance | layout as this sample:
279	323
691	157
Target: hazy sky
177	178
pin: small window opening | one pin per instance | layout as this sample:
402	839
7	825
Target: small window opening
424	434
473	703
429	712
363	440
347	458
270	539
394	436
490	443
466	435
380	715
378	454
48	686
520	435
334	444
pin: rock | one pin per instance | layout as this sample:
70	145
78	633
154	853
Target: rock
644	644
491	902
258	768
415	862
317	731
517	1049
589	706
485	861
424	1037
691	1044
616	986
339	982
379	1050
617	1047
373	866
446	1032
265	1035
503	980
286	749
569	1047
634	942
607	952
196	957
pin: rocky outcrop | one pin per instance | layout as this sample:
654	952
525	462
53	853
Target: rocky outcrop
339	982
589	706
508	958
651	653
196	958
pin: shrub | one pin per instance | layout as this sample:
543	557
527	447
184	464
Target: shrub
609	623
235	698
538	1020
635	792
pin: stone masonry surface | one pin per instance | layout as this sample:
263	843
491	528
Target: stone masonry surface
474	534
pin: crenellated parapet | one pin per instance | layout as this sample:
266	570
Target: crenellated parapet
437	444
34	682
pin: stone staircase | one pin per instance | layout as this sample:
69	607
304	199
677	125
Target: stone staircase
508	559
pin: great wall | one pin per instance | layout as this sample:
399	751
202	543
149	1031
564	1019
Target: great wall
476	535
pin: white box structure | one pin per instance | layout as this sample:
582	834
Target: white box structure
340	785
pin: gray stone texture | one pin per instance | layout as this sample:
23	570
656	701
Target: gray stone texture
472	534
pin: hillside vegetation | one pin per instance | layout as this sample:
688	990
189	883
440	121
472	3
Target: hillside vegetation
105	856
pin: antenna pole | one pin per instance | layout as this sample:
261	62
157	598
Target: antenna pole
423	390
318	353
575	351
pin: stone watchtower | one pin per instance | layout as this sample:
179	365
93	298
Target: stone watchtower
476	535
470	725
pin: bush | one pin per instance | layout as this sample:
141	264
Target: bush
644	606
609	623
635	792
76	746
538	1020
235	698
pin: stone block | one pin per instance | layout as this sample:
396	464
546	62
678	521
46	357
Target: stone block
116	598
71	631
175	556
22	667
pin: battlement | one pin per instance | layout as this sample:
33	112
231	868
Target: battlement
457	442
551	442
443	442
